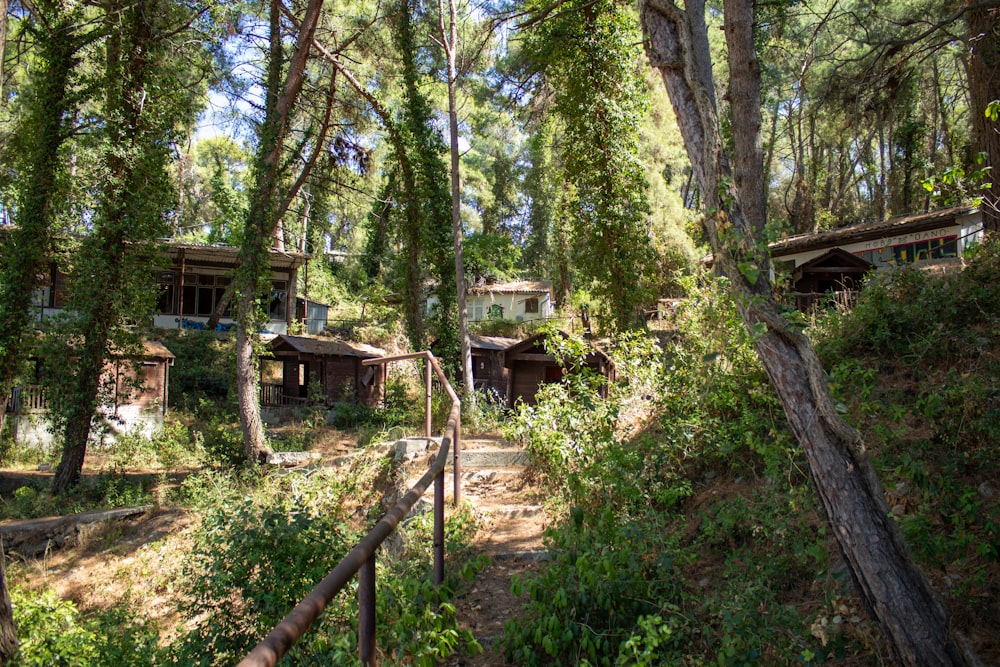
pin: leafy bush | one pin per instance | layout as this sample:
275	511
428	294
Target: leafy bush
204	368
255	555
50	631
922	316
606	578
263	543
222	439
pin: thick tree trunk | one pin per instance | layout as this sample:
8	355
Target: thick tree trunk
267	206
248	392
84	392
983	65
914	621
78	422
74	451
8	632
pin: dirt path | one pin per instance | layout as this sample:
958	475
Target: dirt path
507	502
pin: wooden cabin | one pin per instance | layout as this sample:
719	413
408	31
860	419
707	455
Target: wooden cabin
335	364
140	397
835	276
529	366
489	373
828	267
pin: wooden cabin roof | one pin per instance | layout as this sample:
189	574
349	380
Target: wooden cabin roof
533	349
323	347
492	343
834	261
156	350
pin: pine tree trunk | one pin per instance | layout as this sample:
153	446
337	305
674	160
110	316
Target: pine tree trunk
8	632
85	387
248	393
265	211
983	70
914	622
449	38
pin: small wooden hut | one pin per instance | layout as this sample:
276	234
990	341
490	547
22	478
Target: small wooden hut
488	370
335	364
530	366
154	377
836	274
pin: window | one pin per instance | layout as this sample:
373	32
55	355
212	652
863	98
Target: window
921	250
201	294
279	299
531	305
59	290
904	253
475	312
165	303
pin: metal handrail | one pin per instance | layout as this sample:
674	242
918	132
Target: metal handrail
361	558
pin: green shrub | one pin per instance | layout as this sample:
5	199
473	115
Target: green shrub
264	542
222	440
605	577
50	631
255	553
204	368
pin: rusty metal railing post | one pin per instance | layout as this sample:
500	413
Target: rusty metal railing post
428	369
366	612
456	446
439	529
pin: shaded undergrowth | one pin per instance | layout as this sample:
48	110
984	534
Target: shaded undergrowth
698	540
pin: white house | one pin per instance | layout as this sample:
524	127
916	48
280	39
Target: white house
520	301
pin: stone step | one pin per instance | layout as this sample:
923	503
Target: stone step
494	459
521	556
475	455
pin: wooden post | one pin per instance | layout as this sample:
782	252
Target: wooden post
456	446
427	382
366	612
439	529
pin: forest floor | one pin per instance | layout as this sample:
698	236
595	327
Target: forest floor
138	558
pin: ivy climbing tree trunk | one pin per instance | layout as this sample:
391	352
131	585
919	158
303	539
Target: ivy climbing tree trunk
268	202
140	116
913	619
40	181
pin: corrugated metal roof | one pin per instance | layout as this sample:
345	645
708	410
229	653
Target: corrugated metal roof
870	231
224	254
327	347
